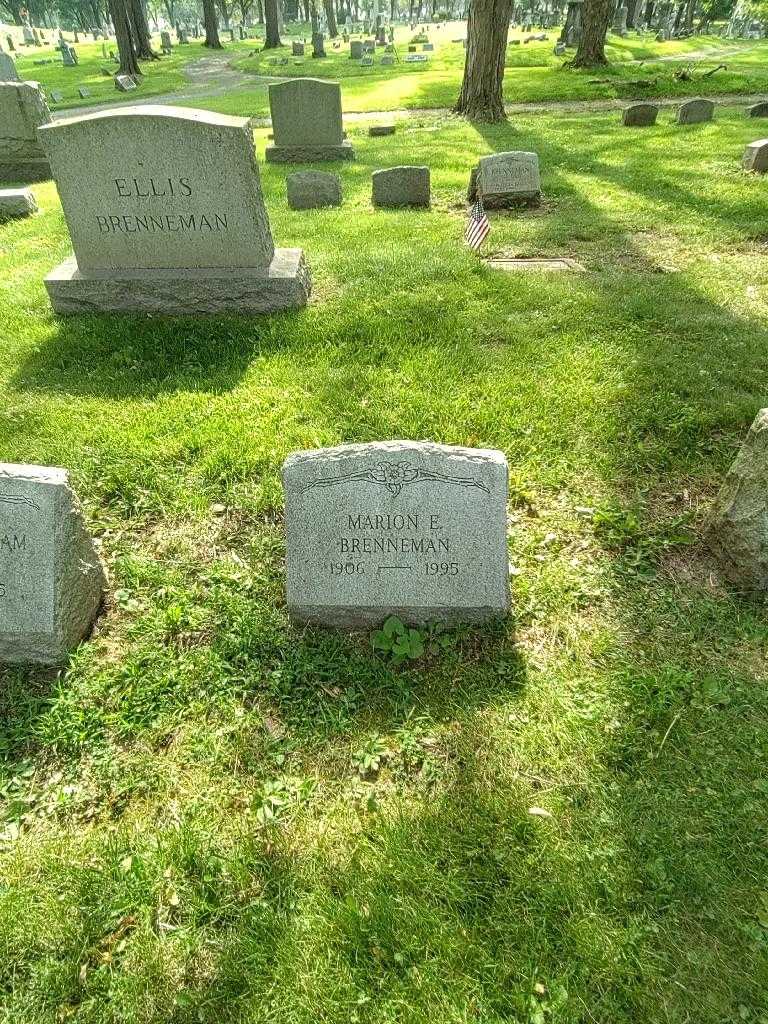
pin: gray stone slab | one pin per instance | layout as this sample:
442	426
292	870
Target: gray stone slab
639	115
758	109
313	190
756	156
377	130
401	528
163	187
695	111
306	112
517	265
51	579
398	187
8	70
124	83
22	111
505	180
308	154
284	284
16	202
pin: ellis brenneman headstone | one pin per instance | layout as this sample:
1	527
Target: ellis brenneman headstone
51	579
166	216
404	528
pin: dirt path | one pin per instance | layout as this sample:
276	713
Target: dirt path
212	75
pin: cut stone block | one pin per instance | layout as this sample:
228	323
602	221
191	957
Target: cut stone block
22	111
313	190
695	111
404	528
756	157
640	115
16	202
398	187
377	130
758	109
51	579
307	122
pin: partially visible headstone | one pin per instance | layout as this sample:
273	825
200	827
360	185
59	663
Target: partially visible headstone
307	122
416	58
297	49
366	62
398	187
16	202
559	49
22	111
381	129
356	49
387	60
83	92
165	42
758	109
57	95
166	215
428	47
124	83
737	530
640	115
318	45
183	37
69	56
505	180
756	156
402	528
695	111
51	579
313	190
8	69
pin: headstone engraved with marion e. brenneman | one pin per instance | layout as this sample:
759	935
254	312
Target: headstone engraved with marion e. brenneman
51	579
166	215
404	528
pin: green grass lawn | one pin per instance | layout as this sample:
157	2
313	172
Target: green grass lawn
188	832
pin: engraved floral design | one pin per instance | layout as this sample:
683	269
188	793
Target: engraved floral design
396	475
18	499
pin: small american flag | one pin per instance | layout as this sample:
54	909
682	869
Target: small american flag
477	226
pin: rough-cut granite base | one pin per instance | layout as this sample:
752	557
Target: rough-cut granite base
285	284
25	170
356	617
309	154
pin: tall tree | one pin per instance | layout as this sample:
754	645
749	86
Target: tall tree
126	45
481	90
140	25
595	19
272	34
330	14
211	26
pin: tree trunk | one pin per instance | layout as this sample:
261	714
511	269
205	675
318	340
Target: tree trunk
118	12
260	11
481	97
596	16
330	14
272	39
140	25
313	17
212	40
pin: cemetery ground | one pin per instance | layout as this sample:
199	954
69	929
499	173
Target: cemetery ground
213	816
533	73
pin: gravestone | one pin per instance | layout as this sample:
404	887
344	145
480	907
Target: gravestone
355	49
366	62
68	56
318	45
57	95
22	110
428	47
416	58
307	122
313	190
640	115
404	528
165	43
758	110
83	92
166	215
124	83
737	529
756	157
16	202
51	579
297	49
695	111
506	180
8	70
104	52
387	60
377	130
398	187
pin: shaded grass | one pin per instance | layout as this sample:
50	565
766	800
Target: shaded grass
142	877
